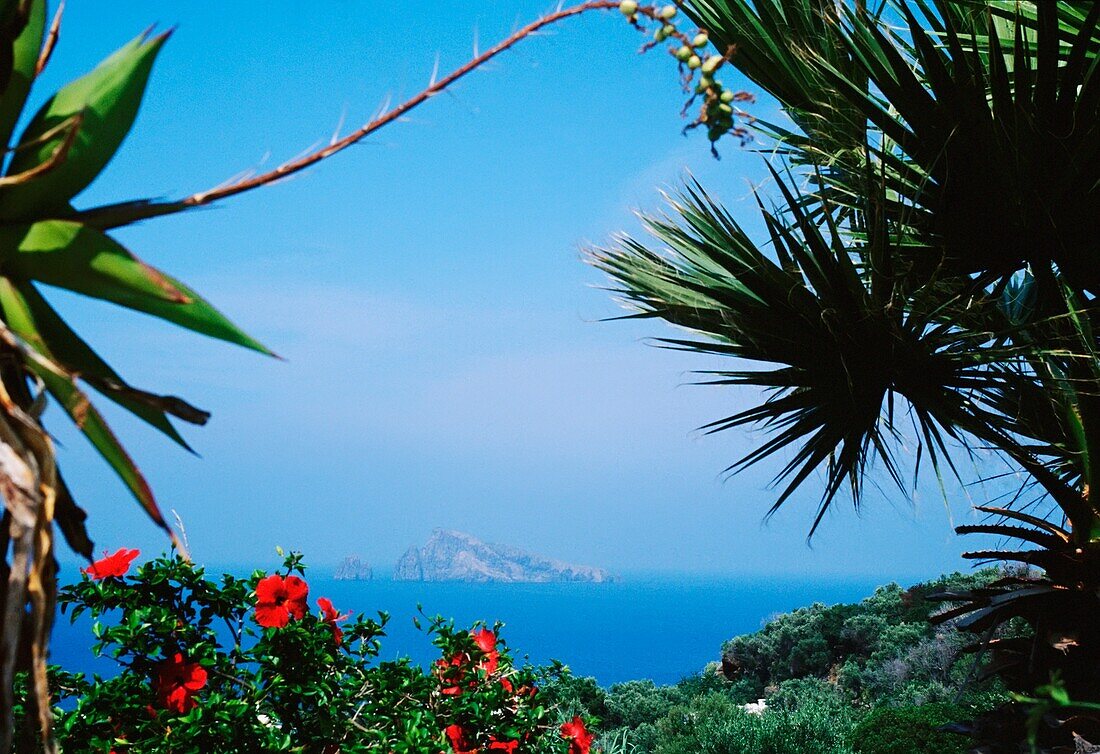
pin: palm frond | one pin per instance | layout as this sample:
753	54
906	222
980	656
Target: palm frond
834	352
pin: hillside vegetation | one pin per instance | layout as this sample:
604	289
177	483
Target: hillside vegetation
872	678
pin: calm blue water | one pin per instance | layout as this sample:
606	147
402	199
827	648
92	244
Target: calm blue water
641	627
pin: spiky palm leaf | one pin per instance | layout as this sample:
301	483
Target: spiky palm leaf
840	352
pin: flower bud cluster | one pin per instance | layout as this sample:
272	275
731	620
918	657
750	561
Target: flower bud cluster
699	66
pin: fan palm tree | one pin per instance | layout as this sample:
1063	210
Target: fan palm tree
928	275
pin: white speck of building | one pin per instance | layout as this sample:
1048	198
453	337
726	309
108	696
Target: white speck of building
755	708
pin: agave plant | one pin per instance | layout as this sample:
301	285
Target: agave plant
928	278
45	241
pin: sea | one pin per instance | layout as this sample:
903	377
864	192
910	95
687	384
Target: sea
642	626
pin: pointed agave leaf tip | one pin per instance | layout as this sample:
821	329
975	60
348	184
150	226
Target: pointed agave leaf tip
32	318
87	261
110	96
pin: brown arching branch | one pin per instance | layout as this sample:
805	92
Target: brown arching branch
338	145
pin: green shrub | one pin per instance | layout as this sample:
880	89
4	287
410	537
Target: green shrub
799	693
715	724
910	730
882	650
258	665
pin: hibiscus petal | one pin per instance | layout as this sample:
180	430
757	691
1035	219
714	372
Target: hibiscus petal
196	678
179	700
485	639
112	565
270	615
270	589
296	588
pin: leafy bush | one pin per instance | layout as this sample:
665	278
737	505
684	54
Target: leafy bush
911	730
247	665
882	650
821	670
797	693
715	724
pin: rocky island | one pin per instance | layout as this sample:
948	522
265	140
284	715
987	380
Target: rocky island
457	556
353	568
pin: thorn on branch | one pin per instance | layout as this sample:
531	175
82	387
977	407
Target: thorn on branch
51	41
717	113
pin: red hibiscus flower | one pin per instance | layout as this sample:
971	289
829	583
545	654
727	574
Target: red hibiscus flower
177	682
507	686
330	616
509	747
486	641
451	671
457	738
580	740
279	599
112	565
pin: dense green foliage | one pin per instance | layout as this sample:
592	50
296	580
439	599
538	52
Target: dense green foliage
230	665
884	648
717	725
909	730
828	675
242	665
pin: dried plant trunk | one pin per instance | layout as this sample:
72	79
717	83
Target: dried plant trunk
28	485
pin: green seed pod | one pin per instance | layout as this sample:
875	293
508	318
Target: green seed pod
700	40
683	54
660	35
706	82
628	7
694	61
710	65
724	108
669	30
667	12
727	96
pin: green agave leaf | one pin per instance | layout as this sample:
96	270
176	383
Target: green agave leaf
32	318
70	519
104	103
84	260
25	51
91	424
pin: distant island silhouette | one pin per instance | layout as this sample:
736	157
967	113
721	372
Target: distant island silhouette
353	568
457	556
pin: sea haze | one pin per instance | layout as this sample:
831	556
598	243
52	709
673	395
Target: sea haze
642	626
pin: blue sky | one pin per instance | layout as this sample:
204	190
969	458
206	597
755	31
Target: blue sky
445	362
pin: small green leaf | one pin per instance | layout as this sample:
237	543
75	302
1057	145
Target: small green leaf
105	102
72	256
